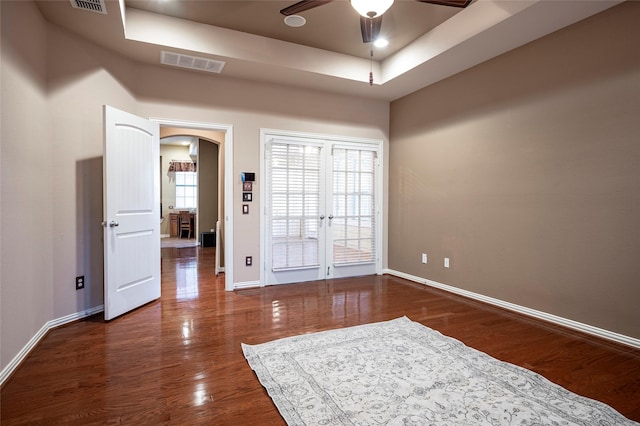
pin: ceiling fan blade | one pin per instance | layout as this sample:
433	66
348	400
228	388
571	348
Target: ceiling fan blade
303	5
370	28
454	3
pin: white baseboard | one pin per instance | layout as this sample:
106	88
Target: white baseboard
575	325
246	284
17	360
165	235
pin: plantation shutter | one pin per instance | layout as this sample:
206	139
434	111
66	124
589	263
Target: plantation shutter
293	191
354	206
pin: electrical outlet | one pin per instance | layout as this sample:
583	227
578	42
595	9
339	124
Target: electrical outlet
248	261
446	262
80	282
424	257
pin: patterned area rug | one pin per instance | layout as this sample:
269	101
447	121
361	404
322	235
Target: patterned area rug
400	372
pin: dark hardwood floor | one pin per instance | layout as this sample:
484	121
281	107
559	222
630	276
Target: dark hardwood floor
179	361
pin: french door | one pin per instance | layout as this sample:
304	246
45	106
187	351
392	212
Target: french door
321	209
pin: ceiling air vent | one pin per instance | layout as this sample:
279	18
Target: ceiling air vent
97	6
192	62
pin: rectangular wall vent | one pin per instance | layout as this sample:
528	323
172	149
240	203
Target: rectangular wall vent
192	62
96	6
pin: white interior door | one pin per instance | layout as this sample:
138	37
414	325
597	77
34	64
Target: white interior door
321	210
131	212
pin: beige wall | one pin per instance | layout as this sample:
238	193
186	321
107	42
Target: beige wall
54	86
248	107
26	174
525	172
82	78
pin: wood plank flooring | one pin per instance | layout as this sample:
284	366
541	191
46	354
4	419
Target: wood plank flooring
178	360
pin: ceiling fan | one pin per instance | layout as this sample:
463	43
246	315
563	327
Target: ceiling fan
370	12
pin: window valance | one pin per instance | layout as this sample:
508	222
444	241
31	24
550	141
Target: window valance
182	166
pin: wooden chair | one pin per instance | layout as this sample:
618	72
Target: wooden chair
185	223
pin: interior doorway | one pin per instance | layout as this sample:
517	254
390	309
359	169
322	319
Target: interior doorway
222	135
190	181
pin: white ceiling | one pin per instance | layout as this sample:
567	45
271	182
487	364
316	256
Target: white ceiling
427	42
334	26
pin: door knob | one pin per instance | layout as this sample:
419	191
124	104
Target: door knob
113	224
321	217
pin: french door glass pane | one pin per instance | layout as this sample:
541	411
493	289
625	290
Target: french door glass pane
353	206
294	193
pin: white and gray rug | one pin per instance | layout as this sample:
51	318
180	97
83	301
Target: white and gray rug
400	372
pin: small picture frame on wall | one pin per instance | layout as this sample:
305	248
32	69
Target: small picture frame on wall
247	186
247	196
245	209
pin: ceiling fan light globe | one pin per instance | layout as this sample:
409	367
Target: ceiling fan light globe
371	8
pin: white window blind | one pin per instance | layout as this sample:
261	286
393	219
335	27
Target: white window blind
354	201
293	190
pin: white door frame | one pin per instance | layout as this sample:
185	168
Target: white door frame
228	185
265	134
